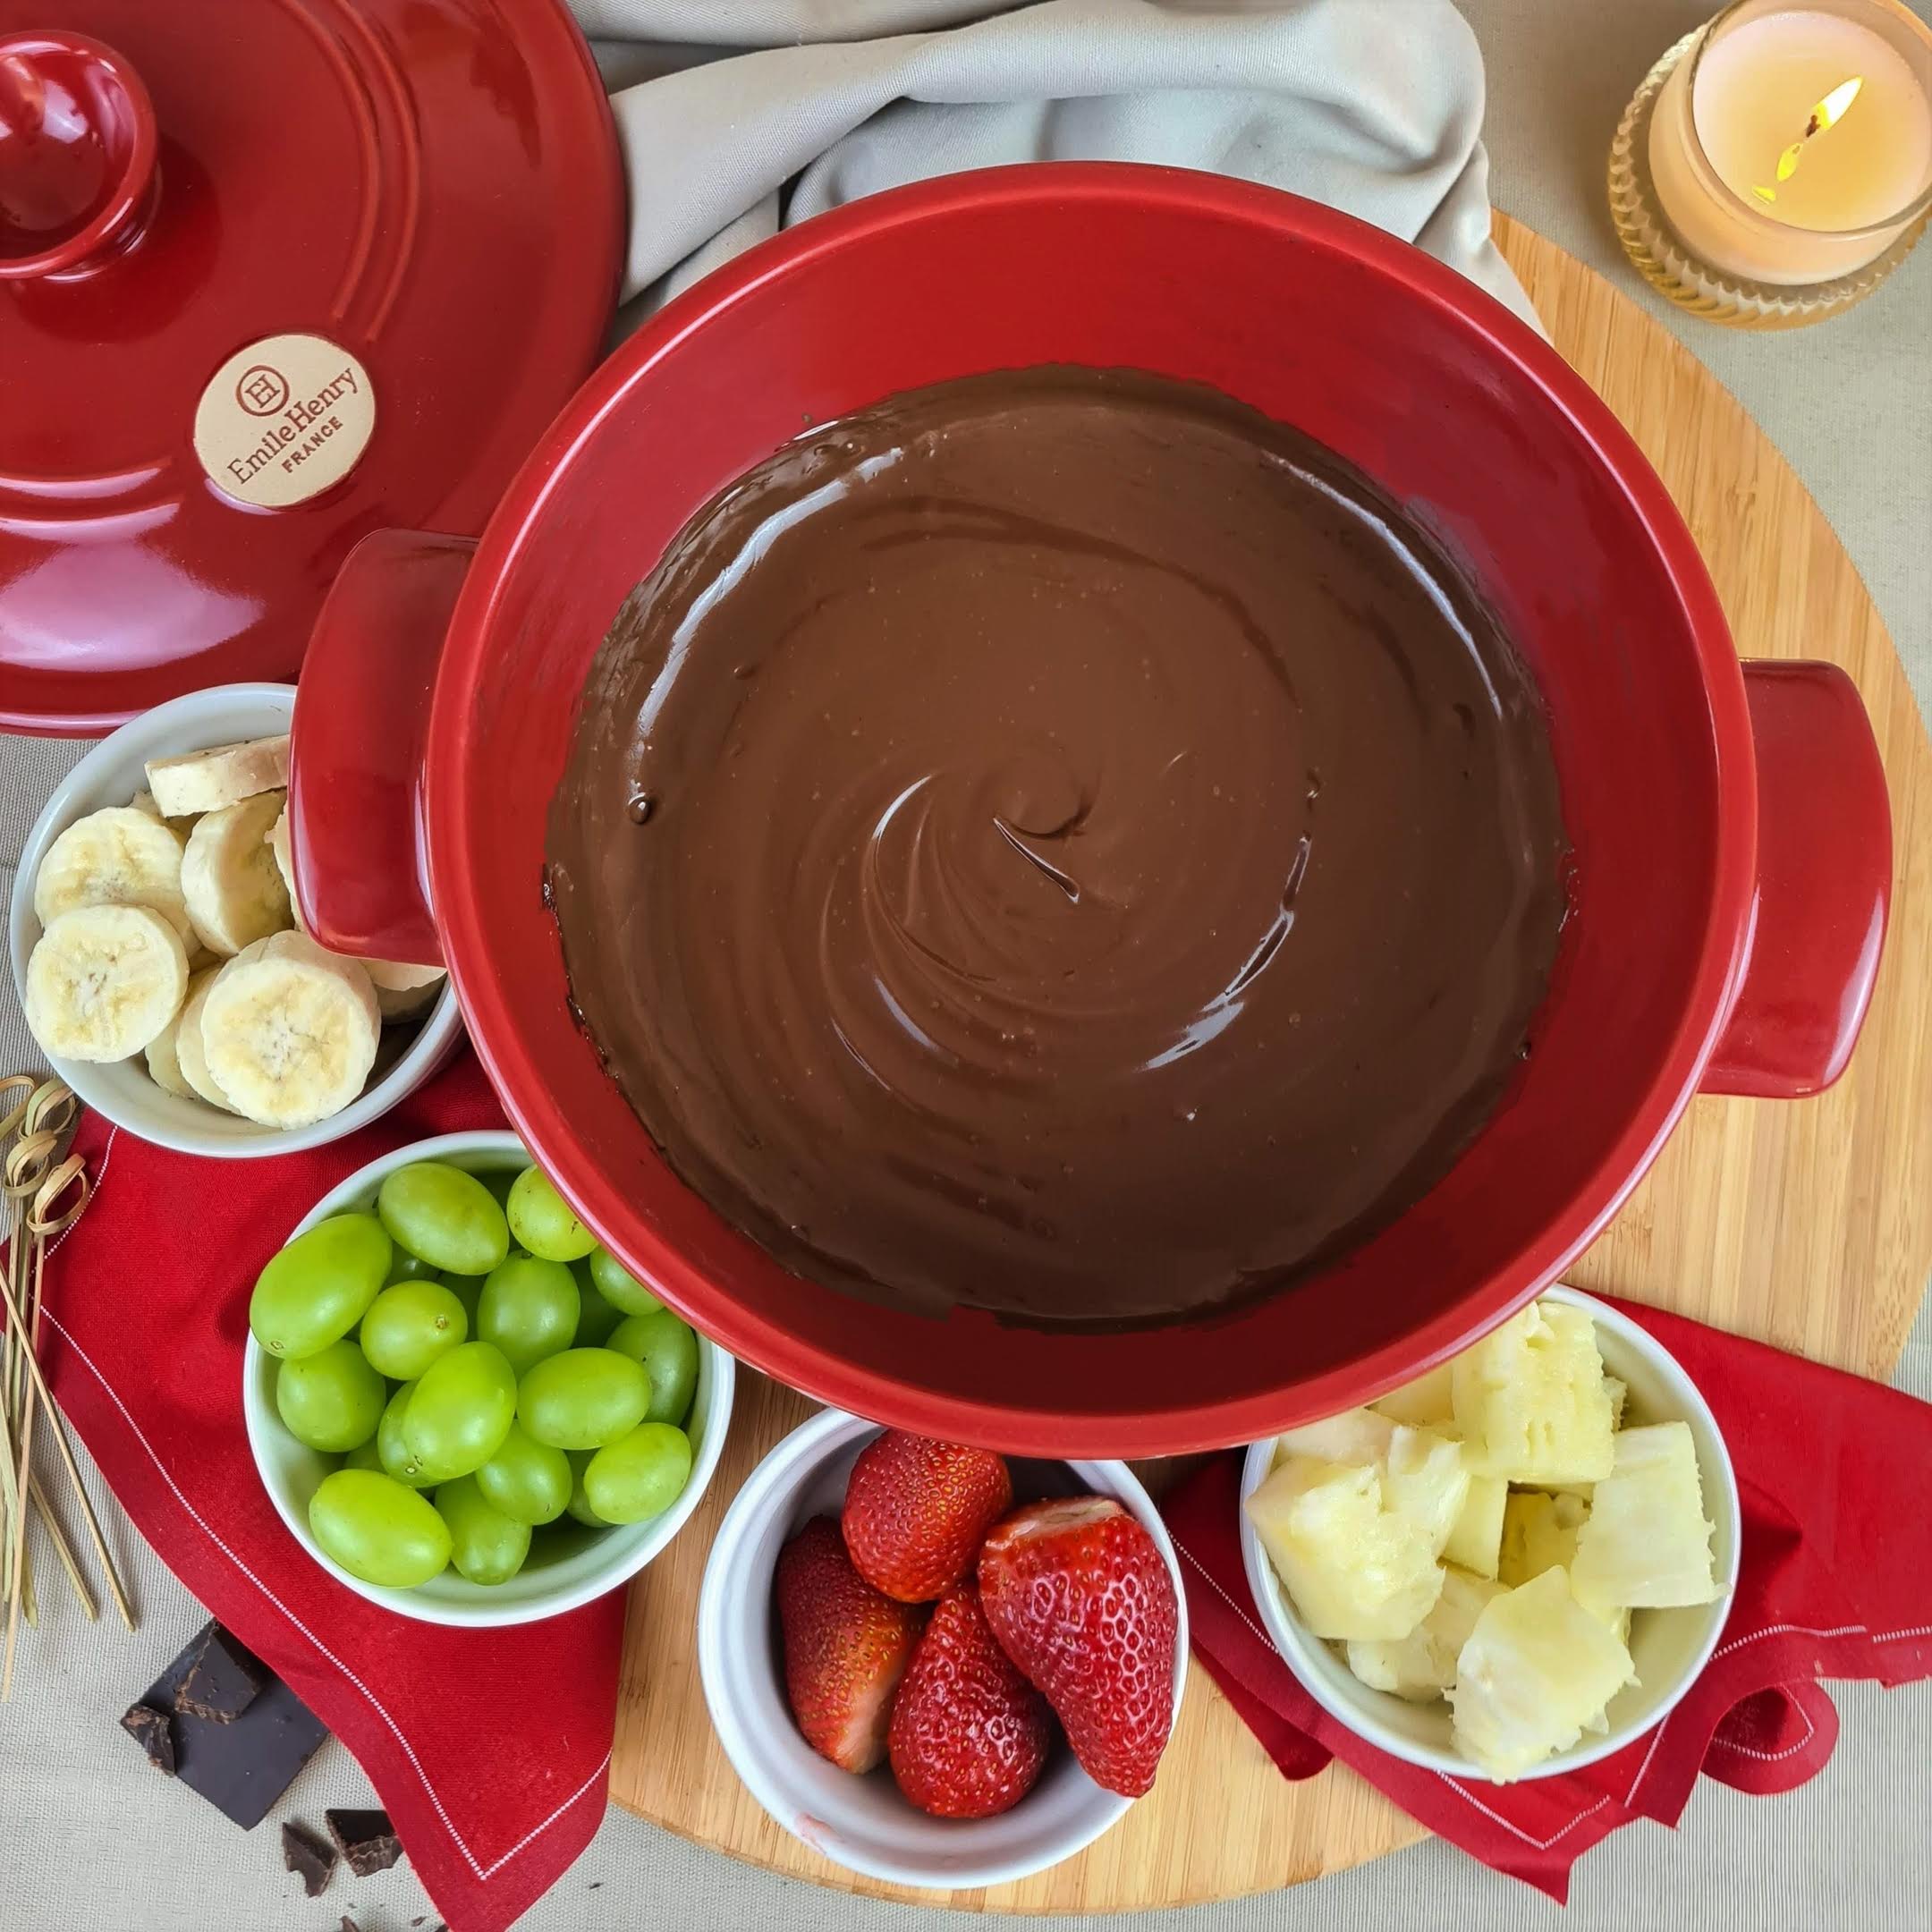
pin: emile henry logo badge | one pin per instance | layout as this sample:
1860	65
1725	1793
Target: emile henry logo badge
283	419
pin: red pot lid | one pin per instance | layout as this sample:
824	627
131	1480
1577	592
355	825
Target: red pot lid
272	277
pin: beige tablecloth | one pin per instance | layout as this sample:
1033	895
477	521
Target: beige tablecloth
91	1841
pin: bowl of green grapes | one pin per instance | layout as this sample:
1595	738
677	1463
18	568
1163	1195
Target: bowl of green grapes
461	1406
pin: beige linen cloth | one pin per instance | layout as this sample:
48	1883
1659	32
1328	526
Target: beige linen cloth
739	117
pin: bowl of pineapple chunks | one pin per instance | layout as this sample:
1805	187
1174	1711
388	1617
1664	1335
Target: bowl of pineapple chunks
1510	1566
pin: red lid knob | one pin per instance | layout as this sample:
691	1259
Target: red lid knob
77	154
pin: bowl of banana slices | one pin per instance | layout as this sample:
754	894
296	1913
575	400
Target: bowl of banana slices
161	961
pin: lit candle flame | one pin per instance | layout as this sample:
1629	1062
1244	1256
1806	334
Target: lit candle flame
1827	113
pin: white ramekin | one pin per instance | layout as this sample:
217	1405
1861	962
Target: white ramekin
601	1560
863	1823
1668	1646
111	774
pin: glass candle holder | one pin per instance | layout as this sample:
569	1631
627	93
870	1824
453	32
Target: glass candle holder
1776	165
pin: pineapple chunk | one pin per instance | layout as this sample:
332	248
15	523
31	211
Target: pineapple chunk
1530	1401
1536	1669
1425	1477
1619	1393
1354	1567
1355	1436
1539	1533
1476	1541
1647	1541
1423	1403
1422	1666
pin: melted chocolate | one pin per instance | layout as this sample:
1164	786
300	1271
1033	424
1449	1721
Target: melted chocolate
1058	843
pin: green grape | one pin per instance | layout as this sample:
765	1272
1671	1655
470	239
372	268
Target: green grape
583	1398
639	1474
486	1545
377	1529
579	1504
444	1215
541	1220
393	1452
527	1480
529	1308
596	1316
331	1400
619	1287
668	1351
409	1325
407	1266
463	1407
315	1291
364	1455
467	1289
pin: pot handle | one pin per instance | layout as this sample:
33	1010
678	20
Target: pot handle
1824	885
358	743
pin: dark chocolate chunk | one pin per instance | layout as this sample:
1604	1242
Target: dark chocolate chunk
349	1924
223	1679
365	1839
241	1766
308	1858
150	1729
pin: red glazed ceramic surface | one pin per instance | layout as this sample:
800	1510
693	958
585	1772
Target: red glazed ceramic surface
1405	369
272	277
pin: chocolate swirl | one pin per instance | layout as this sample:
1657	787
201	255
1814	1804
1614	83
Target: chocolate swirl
1057	842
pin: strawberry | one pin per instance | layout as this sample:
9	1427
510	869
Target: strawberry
846	1647
1079	1597
916	1510
969	1733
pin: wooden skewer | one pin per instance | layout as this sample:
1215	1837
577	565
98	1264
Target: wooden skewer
46	1115
64	1549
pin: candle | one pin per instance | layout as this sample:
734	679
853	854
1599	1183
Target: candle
1796	145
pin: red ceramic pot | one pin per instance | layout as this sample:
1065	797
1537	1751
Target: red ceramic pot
1730	823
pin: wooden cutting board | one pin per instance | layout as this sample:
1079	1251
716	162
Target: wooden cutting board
1806	1223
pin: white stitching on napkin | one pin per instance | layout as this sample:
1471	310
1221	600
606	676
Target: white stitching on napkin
1799	1630
1540	1844
483	1872
1643	1770
1194	1563
1790	1751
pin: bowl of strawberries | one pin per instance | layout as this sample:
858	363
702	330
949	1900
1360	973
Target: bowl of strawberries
936	1666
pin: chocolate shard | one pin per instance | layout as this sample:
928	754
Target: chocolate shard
243	1764
150	1729
365	1839
223	1679
311	1861
349	1924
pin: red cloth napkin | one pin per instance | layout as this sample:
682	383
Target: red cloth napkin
489	1748
1835	1580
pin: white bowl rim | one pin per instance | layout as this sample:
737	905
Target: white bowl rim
1270	1596
72	799
767	1488
259	1418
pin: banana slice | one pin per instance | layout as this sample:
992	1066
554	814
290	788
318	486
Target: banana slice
164	1059
228	877
401	989
144	802
190	1042
403	1002
289	1030
103	980
115	857
281	844
222	774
